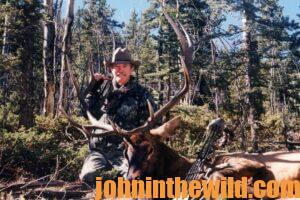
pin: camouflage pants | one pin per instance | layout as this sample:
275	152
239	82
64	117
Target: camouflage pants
103	164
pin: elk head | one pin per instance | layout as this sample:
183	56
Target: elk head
144	152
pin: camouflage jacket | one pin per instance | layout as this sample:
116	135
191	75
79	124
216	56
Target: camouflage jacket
126	106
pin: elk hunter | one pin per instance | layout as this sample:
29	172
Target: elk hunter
122	100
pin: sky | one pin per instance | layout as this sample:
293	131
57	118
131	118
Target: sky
125	7
123	10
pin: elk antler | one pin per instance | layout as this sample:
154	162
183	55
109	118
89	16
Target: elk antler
184	38
86	130
186	62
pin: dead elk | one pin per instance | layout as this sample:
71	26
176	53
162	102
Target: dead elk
280	165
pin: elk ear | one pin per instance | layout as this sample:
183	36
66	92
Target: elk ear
167	129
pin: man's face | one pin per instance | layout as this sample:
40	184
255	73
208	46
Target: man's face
121	73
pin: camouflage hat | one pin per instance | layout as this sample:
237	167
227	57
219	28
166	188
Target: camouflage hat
122	56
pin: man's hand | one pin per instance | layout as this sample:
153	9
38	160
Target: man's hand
99	77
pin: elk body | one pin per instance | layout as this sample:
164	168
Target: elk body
281	165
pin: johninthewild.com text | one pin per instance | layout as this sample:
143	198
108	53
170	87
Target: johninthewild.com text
177	188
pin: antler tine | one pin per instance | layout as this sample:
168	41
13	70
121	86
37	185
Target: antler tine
75	83
83	131
188	48
126	134
140	128
86	130
98	124
151	112
115	127
81	128
105	133
75	124
91	72
184	39
175	27
118	130
90	65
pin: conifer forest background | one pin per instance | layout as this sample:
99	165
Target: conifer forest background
248	74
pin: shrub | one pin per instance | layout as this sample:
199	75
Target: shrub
191	132
38	151
41	150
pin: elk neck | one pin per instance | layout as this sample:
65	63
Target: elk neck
170	163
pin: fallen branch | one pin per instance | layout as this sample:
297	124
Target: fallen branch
20	186
56	194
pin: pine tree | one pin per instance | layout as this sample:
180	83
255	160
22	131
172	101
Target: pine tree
22	57
132	34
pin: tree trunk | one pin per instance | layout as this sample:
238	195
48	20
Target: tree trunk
242	114
57	39
64	74
4	78
272	87
5	47
160	62
250	51
26	102
48	59
213	62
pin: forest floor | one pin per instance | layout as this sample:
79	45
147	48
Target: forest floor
45	190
